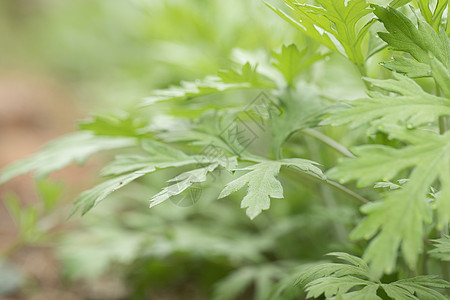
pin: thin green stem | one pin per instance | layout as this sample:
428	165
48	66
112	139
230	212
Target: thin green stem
336	186
328	141
443	126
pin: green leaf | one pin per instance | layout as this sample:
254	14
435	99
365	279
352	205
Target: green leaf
441	74
335	18
398	220
442	249
420	286
128	168
337	279
222	132
50	192
263	185
235	284
248	77
92	197
398	3
408	66
159	156
418	41
182	182
298	110
291	61
119	124
413	106
59	153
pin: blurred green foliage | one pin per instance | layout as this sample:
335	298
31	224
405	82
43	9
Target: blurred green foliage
116	52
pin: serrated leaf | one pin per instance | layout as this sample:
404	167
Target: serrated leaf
367	293
334	18
418	41
263	185
331	286
119	124
128	168
341	281
182	182
398	220
222	132
291	61
298	110
441	74
92	197
413	107
160	156
398	3
59	153
247	77
442	249
422	286
408	66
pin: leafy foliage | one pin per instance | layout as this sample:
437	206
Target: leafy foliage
58	154
228	80
267	126
262	184
332	21
413	107
420	42
442	249
338	280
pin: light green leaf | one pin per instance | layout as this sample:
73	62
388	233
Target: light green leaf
408	66
182	182
442	249
118	124
333	20
76	147
335	280
398	220
418	41
291	61
298	110
413	107
441	74
263	185
92	197
398	3
247	77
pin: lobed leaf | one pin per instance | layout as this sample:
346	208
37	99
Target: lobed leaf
76	147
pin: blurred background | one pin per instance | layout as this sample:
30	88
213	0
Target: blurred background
61	61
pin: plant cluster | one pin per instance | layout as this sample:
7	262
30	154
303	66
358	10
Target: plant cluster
269	130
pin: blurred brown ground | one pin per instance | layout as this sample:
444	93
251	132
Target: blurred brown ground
33	110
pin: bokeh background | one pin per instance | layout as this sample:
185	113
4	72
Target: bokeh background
61	61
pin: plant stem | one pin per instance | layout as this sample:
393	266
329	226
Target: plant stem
443	126
328	141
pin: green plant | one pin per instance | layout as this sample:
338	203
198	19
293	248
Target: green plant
280	124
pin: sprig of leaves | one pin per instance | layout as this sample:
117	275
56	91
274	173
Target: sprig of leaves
412	107
227	80
333	24
263	185
420	42
339	281
76	147
401	215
